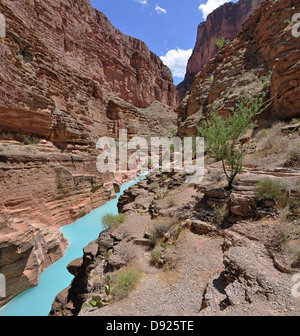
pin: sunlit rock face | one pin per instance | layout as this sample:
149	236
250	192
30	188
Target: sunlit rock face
262	60
224	22
67	76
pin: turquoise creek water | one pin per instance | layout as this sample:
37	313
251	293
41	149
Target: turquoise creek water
37	301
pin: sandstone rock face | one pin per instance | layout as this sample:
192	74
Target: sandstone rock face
69	301
65	65
26	251
67	76
264	58
226	21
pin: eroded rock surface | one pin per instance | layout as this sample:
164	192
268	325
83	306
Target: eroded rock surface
262	59
67	77
224	22
211	269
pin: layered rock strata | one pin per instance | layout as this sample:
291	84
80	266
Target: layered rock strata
262	60
67	77
223	23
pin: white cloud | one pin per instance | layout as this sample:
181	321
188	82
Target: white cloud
142	2
210	6
160	10
176	60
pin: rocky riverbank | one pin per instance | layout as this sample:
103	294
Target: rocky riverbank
234	255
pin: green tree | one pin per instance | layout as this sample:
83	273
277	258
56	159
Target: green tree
222	136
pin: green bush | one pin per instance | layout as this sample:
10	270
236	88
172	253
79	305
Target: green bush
261	134
113	221
265	80
165	177
106	255
156	255
221	213
125	281
219	41
293	155
171	201
272	190
153	186
159	230
30	139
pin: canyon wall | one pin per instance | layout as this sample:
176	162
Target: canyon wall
226	21
67	76
262	60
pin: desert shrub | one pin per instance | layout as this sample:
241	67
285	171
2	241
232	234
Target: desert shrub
272	142
153	186
124	282
261	134
170	201
29	139
296	259
113	221
156	255
106	255
297	212
221	213
219	41
95	281
161	195
284	214
268	189
265	80
293	155
159	230
165	177
294	121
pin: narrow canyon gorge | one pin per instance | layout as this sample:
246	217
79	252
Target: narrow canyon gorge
68	77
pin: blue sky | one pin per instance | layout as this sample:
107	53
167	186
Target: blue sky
168	27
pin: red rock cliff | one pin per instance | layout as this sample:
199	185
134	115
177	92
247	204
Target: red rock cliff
262	59
226	21
60	60
67	76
